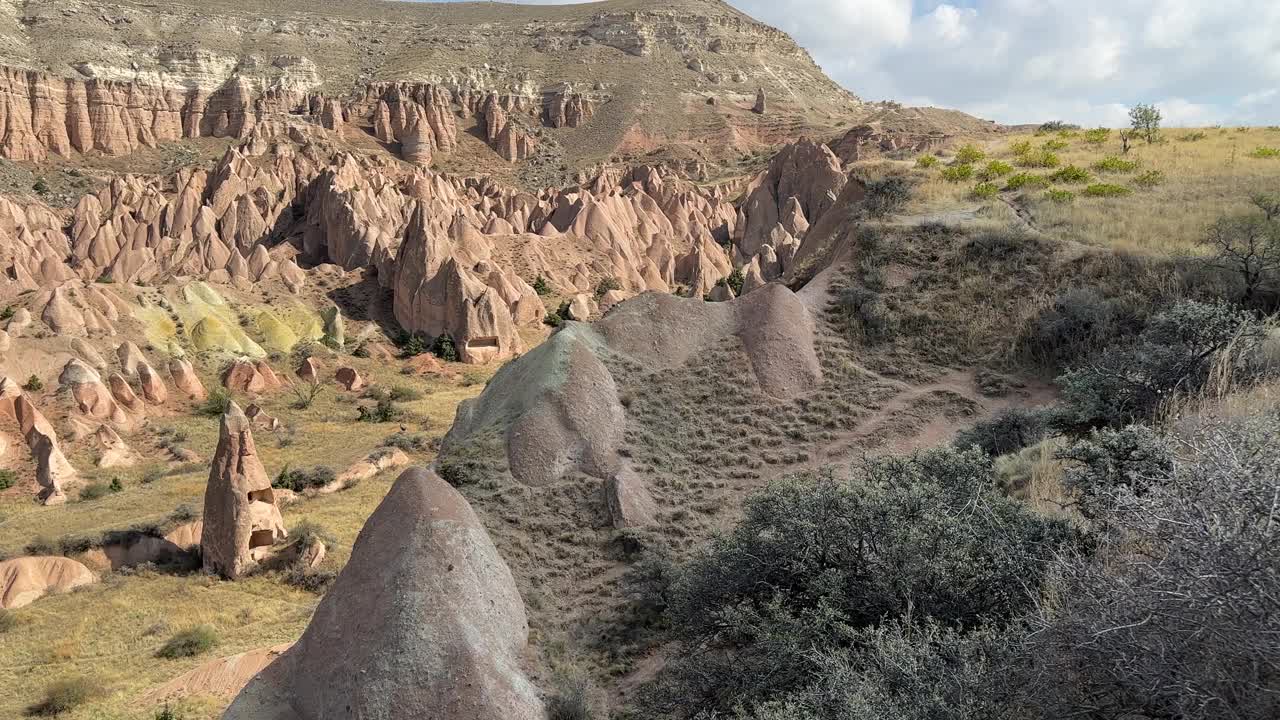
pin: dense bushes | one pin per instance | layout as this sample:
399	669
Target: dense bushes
65	695
1177	616
1079	322
300	479
817	561
1174	354
865	312
189	643
1008	431
886	195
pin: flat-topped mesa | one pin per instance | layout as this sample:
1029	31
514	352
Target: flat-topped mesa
426	613
241	520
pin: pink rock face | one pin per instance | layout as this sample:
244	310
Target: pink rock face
25	580
349	379
153	388
48	115
309	371
124	394
241	520
92	397
186	380
52	469
405	609
250	377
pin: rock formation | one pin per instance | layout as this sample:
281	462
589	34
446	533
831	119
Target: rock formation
428	612
250	377
760	107
349	379
91	395
185	379
113	451
557	407
241	520
53	471
26	579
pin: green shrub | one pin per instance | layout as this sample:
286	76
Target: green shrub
65	695
1265	152
1022	147
886	196
1008	431
1079	322
1184	569
94	491
1173	354
866	314
300	479
1071	175
1025	180
401	393
407	441
383	411
1103	190
216	404
1195	136
1056	126
117	485
995	169
575	698
1149	179
33	384
413	345
607	284
969	154
984	191
1114	164
1039	159
553	319
998	246
7	479
1055	145
459	472
957	173
444	348
189	643
7	313
816	560
734	281
40	546
541	286
1059	196
167	713
926	161
1097	136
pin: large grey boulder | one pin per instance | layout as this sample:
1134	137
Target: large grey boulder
423	623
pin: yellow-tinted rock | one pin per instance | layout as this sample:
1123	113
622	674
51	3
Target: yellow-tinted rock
275	334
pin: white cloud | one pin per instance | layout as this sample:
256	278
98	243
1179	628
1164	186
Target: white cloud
1201	61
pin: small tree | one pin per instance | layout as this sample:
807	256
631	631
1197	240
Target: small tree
1248	246
1145	120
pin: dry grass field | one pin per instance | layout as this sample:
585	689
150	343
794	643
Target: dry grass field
1178	187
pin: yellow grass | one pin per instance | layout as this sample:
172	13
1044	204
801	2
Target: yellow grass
1204	179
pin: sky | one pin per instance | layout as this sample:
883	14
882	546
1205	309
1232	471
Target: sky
1202	62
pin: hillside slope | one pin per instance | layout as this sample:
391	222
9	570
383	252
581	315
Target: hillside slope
685	71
